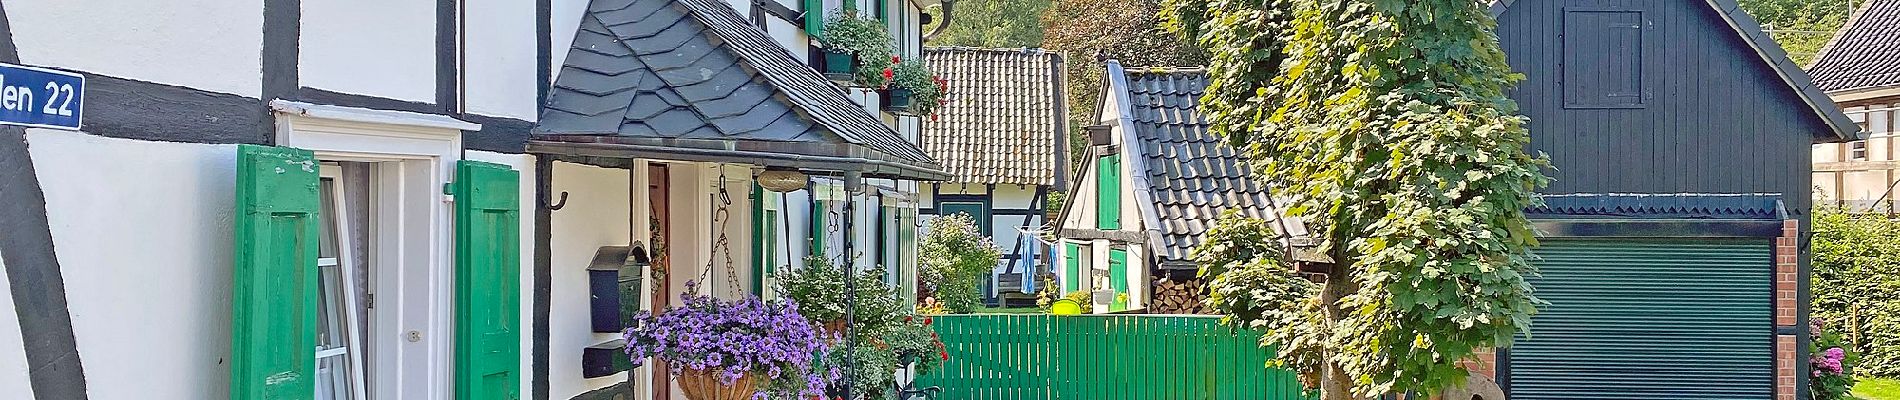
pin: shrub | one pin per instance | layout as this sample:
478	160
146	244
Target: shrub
954	257
1856	285
1831	361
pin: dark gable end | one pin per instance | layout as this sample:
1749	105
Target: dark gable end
1832	125
1716	106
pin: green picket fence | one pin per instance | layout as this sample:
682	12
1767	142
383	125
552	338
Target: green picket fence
1104	357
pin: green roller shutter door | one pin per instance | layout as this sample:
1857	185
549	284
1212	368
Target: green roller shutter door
487	281
1650	319
274	275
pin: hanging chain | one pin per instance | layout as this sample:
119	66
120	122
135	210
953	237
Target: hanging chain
722	244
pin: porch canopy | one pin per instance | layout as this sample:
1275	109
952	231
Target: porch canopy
692	80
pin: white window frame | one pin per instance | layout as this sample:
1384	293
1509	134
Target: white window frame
411	237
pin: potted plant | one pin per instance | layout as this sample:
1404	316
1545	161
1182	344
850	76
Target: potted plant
916	344
819	289
856	49
731	350
914	89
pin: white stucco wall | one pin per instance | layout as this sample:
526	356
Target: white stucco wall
595	215
564	21
14	382
383	48
206	44
501	58
525	165
143	235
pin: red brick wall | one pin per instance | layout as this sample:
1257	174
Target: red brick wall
1787	284
1486	364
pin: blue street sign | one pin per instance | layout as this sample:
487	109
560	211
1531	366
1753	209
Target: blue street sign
40	97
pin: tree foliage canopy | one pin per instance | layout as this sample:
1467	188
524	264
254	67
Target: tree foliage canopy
1126	30
992	23
1387	123
1856	284
1802	27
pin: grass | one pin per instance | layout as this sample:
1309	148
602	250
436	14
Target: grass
1877	389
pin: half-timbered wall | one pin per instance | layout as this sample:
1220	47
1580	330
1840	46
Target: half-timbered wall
1860	175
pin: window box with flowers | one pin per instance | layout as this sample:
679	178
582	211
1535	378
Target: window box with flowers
855	49
913	89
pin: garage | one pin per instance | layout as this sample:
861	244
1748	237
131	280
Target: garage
1651	303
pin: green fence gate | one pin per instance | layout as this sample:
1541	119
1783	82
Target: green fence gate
1104	357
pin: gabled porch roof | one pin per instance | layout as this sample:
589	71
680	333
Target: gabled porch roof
691	80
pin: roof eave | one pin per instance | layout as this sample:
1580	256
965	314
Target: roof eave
814	156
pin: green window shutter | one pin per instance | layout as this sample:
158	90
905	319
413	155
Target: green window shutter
759	239
1118	277
907	254
814	16
1108	190
882	10
1072	278
274	275
818	228
487	281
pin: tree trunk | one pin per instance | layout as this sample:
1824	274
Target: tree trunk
1334	383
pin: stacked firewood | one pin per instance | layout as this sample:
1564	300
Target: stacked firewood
1179	297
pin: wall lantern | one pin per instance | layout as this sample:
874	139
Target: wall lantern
779	180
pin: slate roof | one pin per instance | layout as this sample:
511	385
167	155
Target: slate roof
1865	53
693	74
1673	206
1774	57
1192	175
1003	120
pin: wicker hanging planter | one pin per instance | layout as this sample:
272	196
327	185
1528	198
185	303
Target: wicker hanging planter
704	385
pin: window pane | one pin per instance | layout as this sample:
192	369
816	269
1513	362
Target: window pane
331	325
326	237
333	378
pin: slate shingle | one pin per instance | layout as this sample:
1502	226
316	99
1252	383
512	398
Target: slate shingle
1002	115
1193	175
696	69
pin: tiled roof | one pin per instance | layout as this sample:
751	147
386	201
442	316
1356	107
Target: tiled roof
1865	53
1193	175
1678	206
1003	116
664	72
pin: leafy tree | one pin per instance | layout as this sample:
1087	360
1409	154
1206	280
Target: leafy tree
1802	27
1387	124
1126	30
992	23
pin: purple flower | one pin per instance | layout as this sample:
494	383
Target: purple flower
736	338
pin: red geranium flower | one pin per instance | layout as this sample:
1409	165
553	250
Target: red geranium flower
944	354
888	73
895	60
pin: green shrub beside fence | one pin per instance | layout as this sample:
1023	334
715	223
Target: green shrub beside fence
1104	357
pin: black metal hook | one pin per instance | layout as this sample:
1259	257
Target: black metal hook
558	204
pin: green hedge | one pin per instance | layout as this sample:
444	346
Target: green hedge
1856	285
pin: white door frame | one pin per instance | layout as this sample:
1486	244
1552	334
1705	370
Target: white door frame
411	237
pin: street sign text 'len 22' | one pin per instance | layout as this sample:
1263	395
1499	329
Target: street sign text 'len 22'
40	97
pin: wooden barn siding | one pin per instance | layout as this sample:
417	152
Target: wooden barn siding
1719	120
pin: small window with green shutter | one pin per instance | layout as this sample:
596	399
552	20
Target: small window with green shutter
1118	278
1108	192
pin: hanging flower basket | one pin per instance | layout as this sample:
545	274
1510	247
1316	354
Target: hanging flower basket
731	350
699	384
897	100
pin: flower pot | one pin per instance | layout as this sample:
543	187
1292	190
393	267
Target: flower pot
704	385
840	66
897	100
